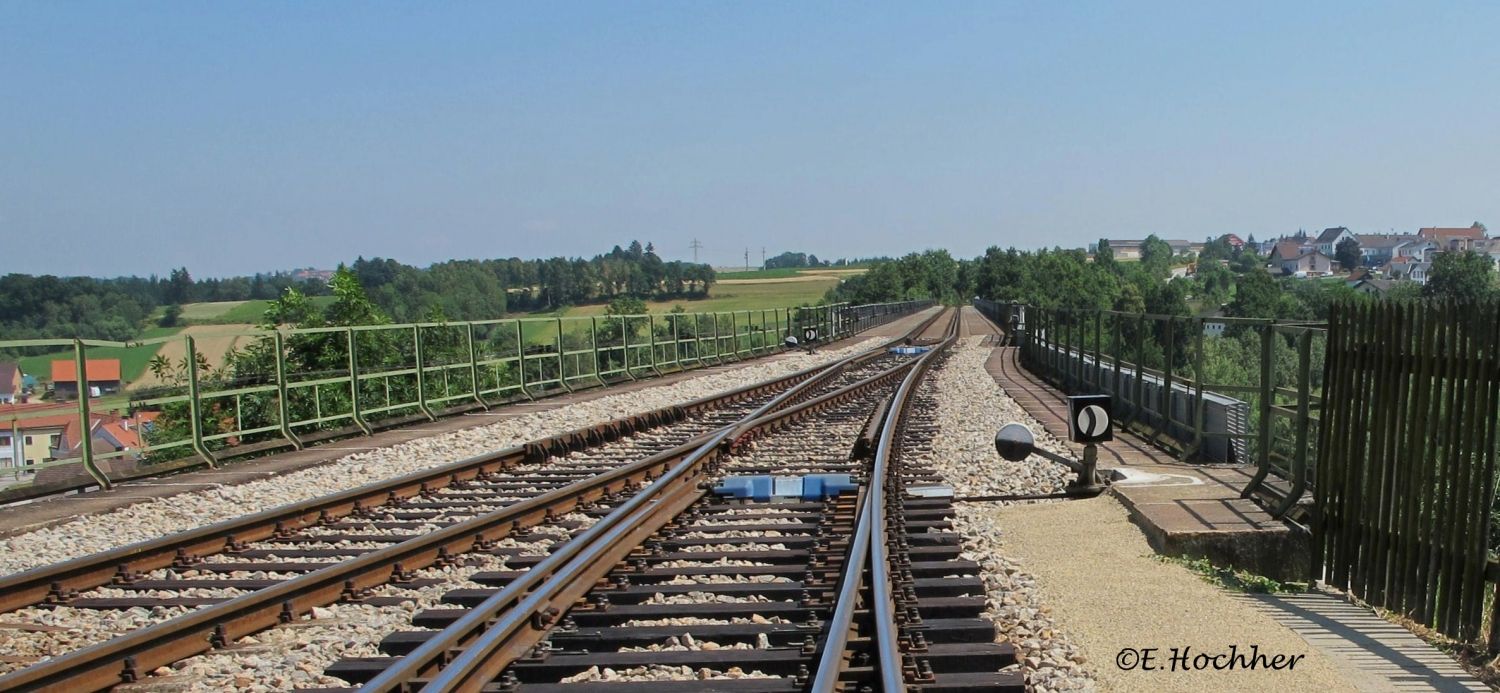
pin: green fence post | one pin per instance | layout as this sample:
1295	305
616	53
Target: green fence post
354	410
416	342
1169	355
521	359
474	367
195	404
765	341
1267	393
625	346
718	357
562	370
676	344
1195	393
283	407
651	328
86	445
734	336
594	340
1304	402
1138	403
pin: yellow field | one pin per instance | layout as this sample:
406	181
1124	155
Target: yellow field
210	340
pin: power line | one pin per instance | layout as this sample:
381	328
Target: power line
695	245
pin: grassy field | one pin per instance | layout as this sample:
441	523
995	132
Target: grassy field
132	359
784	273
727	297
208	340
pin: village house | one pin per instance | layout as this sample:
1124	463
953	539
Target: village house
1489	247
103	376
1328	241
1131	249
1126	250
1376	249
12	382
1452	239
1296	258
31	435
1408	268
1373	287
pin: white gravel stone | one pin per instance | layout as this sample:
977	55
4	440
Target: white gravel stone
971	407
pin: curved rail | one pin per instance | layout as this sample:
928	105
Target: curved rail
510	622
868	550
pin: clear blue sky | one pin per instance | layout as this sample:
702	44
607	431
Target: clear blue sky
242	137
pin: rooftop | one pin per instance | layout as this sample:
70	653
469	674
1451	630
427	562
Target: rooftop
97	370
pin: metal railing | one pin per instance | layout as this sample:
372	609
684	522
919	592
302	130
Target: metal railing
1258	380
238	392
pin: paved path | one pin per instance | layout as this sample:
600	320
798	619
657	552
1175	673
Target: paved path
1375	654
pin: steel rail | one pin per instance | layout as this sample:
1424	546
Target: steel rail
509	623
868	550
127	657
34	586
56	581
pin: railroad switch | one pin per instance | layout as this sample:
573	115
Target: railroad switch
766	487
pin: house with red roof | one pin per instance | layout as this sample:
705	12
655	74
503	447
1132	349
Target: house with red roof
103	377
1299	258
1453	238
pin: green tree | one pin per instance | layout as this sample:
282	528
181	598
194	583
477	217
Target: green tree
1104	255
1156	257
170	316
180	286
1347	253
1465	276
1258	295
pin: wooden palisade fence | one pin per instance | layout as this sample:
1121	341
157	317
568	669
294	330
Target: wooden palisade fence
1406	461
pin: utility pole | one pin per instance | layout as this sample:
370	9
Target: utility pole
747	259
695	245
762	257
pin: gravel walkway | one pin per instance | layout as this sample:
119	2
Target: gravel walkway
156	517
1106	589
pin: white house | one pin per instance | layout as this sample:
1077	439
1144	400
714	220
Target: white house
1328	241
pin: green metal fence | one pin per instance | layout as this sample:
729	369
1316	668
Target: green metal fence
231	393
1165	372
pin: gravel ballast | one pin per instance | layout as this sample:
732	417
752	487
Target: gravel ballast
970	408
153	518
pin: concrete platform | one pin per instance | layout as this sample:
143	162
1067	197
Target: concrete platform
23	517
1184	509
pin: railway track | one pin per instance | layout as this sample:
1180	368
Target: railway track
210	586
857	590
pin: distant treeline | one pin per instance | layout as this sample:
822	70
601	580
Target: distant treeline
791	260
479	289
34	307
